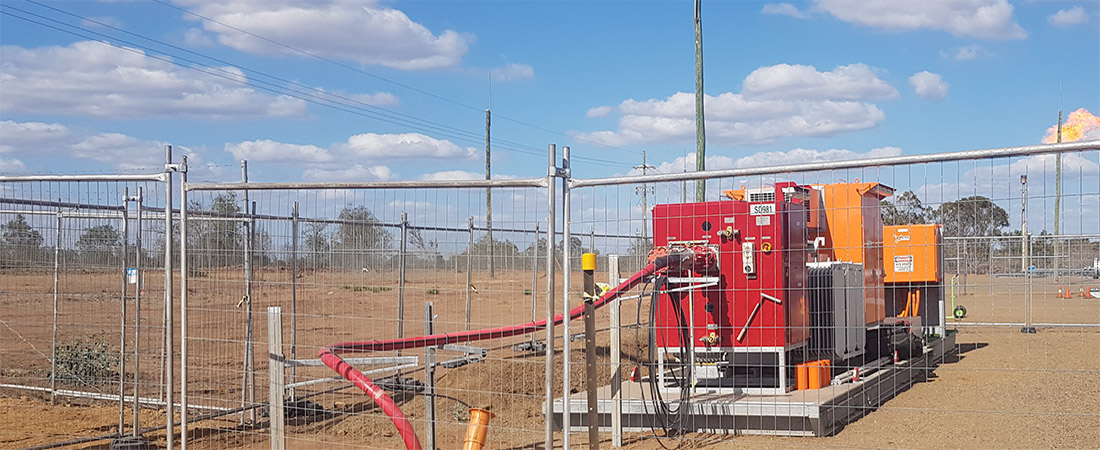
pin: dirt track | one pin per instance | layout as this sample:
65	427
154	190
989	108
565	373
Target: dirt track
1007	390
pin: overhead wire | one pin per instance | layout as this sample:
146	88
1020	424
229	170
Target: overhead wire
384	79
296	90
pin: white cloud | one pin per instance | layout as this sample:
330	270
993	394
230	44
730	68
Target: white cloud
786	81
46	141
355	30
448	175
11	165
377	99
268	150
776	102
356	172
965	53
1068	17
407	145
195	37
784	9
512	71
764	159
984	19
599	111
94	79
928	85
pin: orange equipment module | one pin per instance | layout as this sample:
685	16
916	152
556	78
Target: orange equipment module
853	233
912	253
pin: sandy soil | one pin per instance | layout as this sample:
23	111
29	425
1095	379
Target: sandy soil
1006	390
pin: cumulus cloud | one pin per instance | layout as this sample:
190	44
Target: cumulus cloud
44	141
11	165
512	72
784	9
407	145
764	159
356	172
94	79
928	85
367	151
983	19
851	82
354	30
599	111
1068	17
452	175
195	37
776	102
266	150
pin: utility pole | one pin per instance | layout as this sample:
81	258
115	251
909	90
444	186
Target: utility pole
488	198
644	191
700	132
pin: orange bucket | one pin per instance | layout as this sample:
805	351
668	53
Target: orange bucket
477	430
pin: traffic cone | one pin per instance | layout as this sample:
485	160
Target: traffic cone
1068	294
1059	292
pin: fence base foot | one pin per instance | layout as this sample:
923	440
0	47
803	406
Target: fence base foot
131	443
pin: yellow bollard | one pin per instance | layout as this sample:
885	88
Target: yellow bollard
477	430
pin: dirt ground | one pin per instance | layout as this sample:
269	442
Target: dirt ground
1005	390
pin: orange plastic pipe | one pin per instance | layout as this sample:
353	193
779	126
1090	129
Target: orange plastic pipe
477	430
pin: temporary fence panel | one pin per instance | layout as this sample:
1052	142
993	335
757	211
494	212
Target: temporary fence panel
359	263
83	296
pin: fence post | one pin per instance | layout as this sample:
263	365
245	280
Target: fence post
551	177
248	379
469	267
429	376
122	314
183	309
566	288
137	312
588	268
294	296
535	280
616	356
56	282
276	364
401	276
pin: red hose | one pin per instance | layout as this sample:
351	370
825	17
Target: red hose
329	355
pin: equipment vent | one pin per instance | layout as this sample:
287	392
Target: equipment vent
835	294
762	196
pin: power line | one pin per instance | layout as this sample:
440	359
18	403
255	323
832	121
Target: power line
381	78
299	91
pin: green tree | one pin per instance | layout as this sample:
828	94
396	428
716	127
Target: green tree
971	216
216	242
19	243
99	245
905	209
361	239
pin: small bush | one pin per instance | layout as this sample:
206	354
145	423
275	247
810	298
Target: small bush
433	291
87	361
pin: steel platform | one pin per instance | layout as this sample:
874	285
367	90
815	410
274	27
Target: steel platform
816	412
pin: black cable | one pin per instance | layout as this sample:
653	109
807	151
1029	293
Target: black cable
671	420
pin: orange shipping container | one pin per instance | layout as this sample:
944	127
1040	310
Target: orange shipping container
912	253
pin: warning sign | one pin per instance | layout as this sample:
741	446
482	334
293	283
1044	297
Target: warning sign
903	264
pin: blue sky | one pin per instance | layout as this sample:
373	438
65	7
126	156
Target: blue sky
102	86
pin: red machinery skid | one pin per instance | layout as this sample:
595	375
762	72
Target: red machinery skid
748	317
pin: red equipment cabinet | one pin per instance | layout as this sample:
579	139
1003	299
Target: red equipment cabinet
749	317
